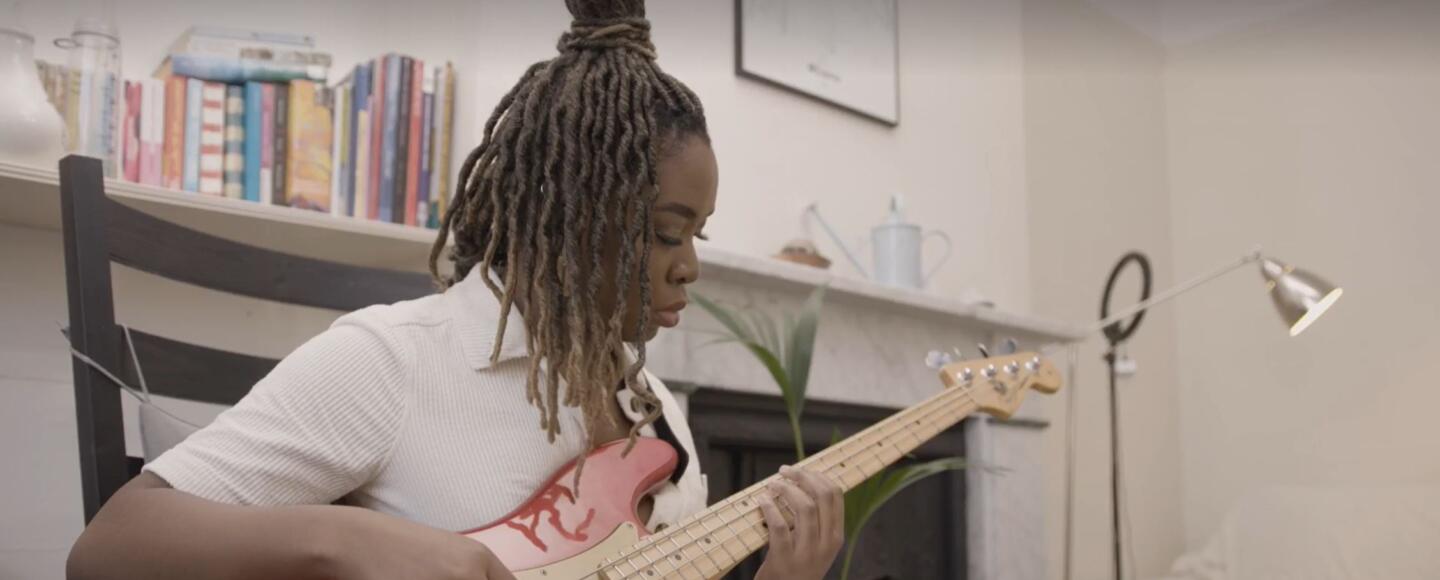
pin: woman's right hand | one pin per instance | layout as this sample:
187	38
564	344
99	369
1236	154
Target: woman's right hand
366	545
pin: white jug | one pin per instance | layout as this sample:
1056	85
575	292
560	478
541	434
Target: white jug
896	249
31	130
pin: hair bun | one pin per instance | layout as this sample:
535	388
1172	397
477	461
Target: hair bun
590	10
606	25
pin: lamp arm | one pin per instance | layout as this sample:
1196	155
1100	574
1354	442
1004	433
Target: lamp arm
1253	256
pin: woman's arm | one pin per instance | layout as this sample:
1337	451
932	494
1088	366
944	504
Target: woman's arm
150	531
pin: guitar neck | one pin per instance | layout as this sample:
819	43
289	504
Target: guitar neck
715	540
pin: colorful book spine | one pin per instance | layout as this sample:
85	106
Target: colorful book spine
338	161
254	103
438	150
389	138
427	114
172	166
352	138
363	101
402	141
193	90
281	143
446	136
267	144
308	147
152	131
234	176
413	141
377	135
129	134
212	139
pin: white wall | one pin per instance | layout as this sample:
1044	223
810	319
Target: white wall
958	156
1095	157
1316	136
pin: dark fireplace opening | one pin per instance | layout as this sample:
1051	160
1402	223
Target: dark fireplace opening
742	438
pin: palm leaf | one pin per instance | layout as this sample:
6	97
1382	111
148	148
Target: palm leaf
802	344
865	499
729	320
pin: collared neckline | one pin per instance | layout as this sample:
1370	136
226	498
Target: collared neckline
477	311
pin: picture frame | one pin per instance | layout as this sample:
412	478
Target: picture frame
843	53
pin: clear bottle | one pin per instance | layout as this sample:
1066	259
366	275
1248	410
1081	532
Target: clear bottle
94	61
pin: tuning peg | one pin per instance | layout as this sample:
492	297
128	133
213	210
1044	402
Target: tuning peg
959	355
984	350
1009	346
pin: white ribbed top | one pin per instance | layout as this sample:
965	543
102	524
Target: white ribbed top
398	408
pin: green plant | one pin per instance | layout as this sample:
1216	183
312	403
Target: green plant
786	351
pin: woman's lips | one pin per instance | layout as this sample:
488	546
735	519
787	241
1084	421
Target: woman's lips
667	318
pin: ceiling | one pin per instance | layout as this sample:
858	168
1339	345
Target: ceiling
1180	22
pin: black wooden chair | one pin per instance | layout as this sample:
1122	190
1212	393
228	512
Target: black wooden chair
100	231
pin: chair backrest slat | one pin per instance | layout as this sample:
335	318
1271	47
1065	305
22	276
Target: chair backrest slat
192	372
162	248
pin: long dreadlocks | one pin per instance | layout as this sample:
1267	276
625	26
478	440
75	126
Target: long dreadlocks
566	168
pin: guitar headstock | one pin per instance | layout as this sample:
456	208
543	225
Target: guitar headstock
998	383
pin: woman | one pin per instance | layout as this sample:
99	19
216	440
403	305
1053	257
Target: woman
364	451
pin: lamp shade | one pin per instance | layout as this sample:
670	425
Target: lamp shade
1299	295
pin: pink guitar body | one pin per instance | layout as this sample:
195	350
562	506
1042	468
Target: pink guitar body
559	535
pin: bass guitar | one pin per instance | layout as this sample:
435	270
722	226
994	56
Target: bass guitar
560	535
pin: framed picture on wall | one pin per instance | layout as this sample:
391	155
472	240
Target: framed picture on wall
841	52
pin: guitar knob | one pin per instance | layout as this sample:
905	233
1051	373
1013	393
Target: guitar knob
967	375
984	350
1012	368
989	371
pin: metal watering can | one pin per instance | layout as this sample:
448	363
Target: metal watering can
896	249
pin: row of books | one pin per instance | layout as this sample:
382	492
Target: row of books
248	115
394	119
377	146
262	142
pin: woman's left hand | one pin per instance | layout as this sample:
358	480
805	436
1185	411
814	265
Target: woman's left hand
804	547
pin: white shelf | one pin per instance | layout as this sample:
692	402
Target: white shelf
30	197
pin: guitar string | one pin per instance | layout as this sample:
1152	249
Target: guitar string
744	496
932	407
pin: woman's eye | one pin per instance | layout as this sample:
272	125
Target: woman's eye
668	239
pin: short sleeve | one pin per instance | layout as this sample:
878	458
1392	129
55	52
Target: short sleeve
320	425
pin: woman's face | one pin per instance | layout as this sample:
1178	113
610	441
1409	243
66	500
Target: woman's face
688	179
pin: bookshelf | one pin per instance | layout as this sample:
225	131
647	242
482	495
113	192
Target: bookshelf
30	197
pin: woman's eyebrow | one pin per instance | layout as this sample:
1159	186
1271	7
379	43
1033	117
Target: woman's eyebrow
680	209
